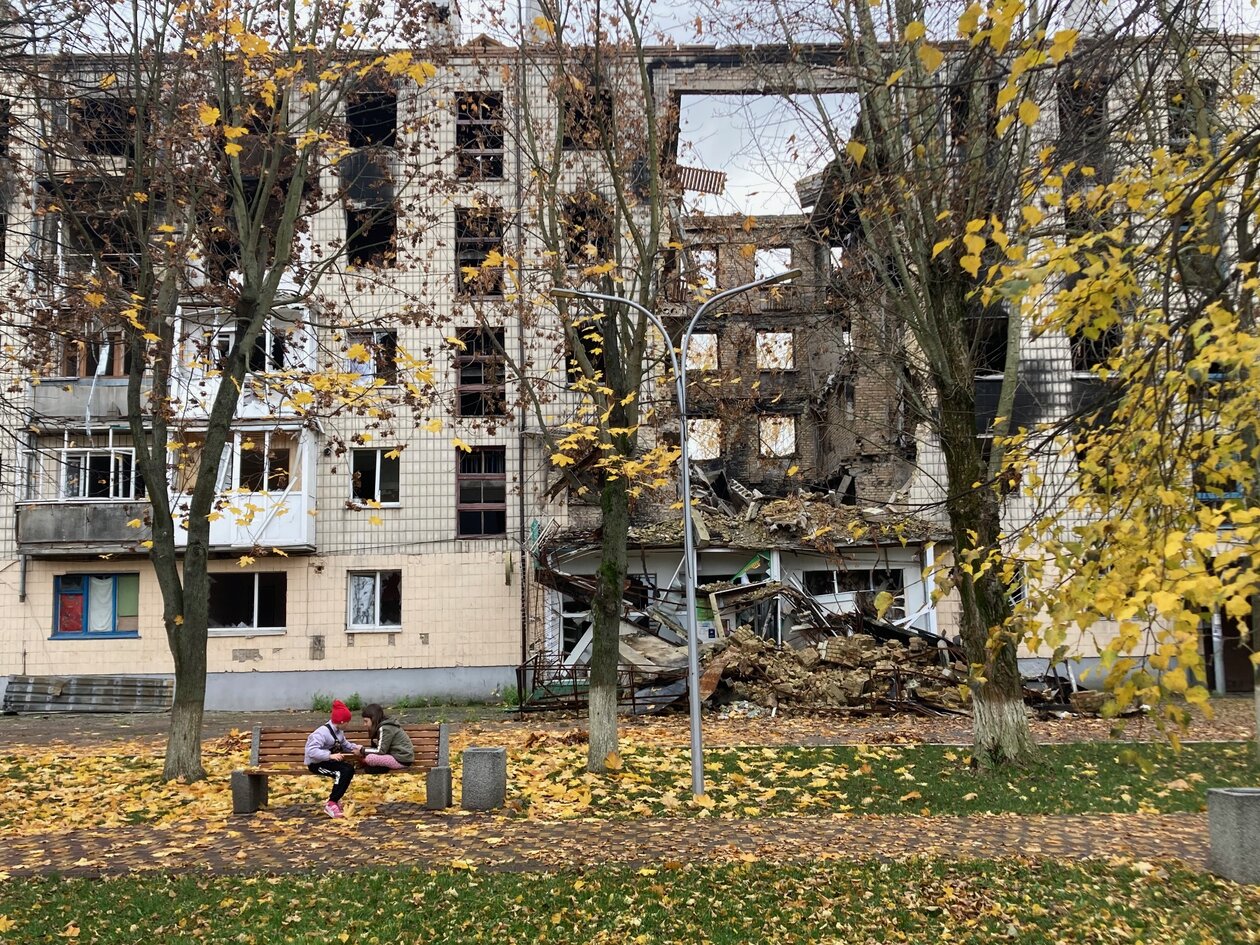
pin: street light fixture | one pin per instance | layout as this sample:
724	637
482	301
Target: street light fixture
689	544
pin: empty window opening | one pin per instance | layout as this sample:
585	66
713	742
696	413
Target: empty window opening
777	435
775	351
771	261
371	236
479	367
478	233
104	125
248	601
587	221
481	492
479	140
588	115
702	352
372	118
704	438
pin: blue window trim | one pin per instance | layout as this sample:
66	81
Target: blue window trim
115	634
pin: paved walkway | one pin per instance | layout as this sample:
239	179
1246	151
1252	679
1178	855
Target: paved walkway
292	838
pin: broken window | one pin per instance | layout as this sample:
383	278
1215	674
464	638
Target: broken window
247	601
374	476
775	351
374	600
479	139
104	125
88	604
698	272
262	466
266	354
99	474
704	438
478	233
372	118
371	236
588	229
771	260
95	355
588	115
481	492
381	348
702	351
777	435
479	377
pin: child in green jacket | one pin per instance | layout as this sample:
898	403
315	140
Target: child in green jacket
390	746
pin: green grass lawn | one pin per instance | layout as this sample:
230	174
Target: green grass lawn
983	902
918	779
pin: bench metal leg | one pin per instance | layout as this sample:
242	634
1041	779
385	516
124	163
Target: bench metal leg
249	792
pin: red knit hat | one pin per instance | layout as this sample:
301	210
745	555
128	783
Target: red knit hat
340	714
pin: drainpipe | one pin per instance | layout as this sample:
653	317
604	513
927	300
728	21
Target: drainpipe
522	422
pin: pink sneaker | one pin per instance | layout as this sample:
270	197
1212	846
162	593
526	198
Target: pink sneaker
333	809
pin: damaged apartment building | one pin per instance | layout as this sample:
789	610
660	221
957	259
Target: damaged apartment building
392	561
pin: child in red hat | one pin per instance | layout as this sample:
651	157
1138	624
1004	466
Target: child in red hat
330	754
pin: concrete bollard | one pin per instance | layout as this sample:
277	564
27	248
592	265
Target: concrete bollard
437	792
249	792
1234	833
484	779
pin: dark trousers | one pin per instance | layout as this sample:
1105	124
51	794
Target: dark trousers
341	773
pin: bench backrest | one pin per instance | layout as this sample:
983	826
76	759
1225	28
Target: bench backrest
282	748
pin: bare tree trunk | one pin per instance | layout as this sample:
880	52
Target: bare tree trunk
186	634
1000	726
606	614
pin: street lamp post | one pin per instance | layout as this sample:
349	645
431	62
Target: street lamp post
689	543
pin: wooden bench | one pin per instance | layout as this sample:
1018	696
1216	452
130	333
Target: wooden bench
280	751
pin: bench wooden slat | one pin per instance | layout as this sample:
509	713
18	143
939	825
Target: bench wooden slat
279	751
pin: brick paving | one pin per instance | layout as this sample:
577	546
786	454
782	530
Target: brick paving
299	838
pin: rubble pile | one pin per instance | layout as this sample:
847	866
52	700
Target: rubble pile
844	672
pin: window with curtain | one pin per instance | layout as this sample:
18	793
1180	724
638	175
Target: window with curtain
96	605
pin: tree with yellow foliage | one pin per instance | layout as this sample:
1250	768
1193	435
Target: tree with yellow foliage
184	154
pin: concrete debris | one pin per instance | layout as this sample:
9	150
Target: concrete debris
856	672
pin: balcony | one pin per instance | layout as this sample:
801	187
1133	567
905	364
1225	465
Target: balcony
259	519
105	399
51	529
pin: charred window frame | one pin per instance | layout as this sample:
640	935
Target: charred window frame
480	386
778	435
587	115
104	125
372	118
481	492
479	137
372	236
478	233
588	229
